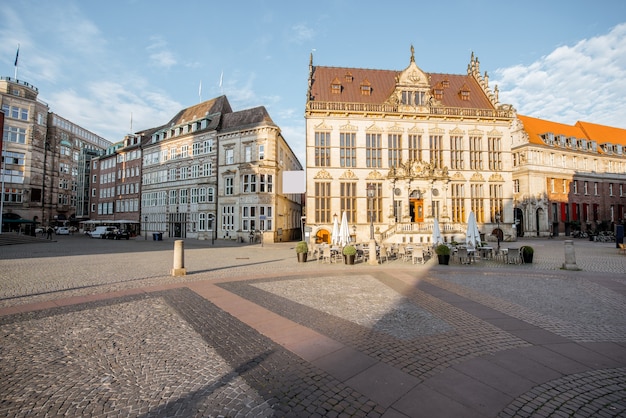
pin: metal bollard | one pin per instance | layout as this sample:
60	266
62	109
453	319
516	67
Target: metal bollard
570	256
179	258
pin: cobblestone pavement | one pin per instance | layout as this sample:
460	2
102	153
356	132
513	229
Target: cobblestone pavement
100	328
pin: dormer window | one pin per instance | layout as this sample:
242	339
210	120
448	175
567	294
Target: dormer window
465	93
445	83
335	86
438	91
348	77
366	88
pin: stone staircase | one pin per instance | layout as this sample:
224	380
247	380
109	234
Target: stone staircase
12	238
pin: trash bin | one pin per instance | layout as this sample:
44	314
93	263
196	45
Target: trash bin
157	236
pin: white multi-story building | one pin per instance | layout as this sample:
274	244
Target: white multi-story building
568	178
214	173
396	150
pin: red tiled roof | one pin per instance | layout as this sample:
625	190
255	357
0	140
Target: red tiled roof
536	127
603	134
383	84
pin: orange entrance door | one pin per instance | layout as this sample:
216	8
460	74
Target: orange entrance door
418	210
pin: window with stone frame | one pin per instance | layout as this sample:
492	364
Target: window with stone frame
457	191
322	149
436	151
475	151
347	149
477	201
415	147
322	202
394	150
496	201
494	152
373	150
456	152
348	200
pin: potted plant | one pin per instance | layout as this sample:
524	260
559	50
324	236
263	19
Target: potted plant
443	253
349	254
527	254
302	249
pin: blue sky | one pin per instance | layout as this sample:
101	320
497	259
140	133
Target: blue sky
96	62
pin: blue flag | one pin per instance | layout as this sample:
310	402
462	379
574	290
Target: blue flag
17	54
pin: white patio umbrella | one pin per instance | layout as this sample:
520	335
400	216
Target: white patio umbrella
437	238
472	235
334	239
344	231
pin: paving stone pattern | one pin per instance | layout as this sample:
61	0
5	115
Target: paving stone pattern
100	328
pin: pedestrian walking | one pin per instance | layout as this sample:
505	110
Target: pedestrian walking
49	232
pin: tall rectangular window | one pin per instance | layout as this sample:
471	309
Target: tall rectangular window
374	205
347	149
494	153
228	218
495	201
322	202
477	202
456	152
394	149
475	149
458	202
228	186
415	147
373	150
230	156
436	151
348	200
248	153
322	149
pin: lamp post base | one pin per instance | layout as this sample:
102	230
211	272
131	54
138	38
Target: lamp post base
373	260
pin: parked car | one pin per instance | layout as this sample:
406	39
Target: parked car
117	234
101	231
62	230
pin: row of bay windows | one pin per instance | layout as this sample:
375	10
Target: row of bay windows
584	212
118	206
178	173
252	218
120	189
573	162
473	153
175	152
349	198
586	190
178	196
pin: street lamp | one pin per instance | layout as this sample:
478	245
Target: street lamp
145	225
498	229
371	190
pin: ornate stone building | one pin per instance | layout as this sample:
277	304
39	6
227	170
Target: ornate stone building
568	178
214	173
428	146
44	156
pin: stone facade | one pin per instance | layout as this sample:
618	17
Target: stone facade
430	147
214	173
43	154
568	178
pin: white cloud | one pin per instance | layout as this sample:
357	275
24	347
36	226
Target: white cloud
161	56
302	33
582	82
106	109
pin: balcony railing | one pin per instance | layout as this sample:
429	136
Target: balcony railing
391	108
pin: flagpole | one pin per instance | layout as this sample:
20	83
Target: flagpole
17	54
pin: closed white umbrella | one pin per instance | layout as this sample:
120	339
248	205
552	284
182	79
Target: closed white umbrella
437	238
334	239
344	231
472	235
